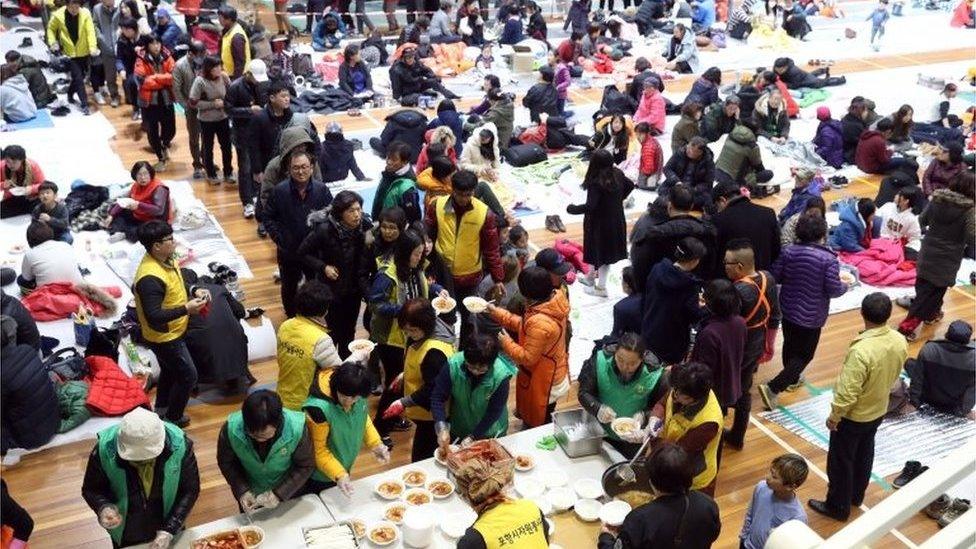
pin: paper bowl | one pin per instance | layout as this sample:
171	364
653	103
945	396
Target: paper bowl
382	524
613	513
433	483
554	478
544	505
588	488
252	530
529	488
561	498
392	495
393	505
443	305
475	304
419	478
587	509
358	345
416	496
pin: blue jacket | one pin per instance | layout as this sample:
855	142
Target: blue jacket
322	41
578	18
809	277
627	315
452	120
703	92
847	236
798	201
168	34
285	215
512	33
703	14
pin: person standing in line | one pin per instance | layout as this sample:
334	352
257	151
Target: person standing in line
235	48
106	21
873	363
125	62
71	32
245	98
739	217
207	96
184	75
162	307
154	76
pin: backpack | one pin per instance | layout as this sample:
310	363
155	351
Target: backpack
66	365
524	155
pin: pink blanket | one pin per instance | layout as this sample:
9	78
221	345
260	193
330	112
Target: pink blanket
883	264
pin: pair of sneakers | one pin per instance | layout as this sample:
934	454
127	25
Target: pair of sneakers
945	509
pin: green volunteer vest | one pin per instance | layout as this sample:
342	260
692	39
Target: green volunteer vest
624	398
265	475
108	452
398	188
386	329
469	404
345	431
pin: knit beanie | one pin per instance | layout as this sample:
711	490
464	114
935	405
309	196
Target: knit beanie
823	113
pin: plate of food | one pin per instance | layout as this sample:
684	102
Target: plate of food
524	463
358	528
475	304
18	249
848	277
418	496
588	488
390	489
253	536
230	539
414	478
587	509
360	345
383	533
441	457
441	488
394	512
443	304
623	426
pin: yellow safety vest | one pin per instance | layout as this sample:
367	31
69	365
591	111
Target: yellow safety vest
226	54
296	367
513	523
676	425
174	297
412	377
459	244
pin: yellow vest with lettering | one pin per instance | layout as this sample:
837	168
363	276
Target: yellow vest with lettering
174	297
676	425
296	367
412	377
513	523
226	53
459	244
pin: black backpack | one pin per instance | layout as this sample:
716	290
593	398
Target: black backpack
525	155
66	365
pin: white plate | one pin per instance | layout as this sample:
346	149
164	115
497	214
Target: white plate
553	478
588	488
529	488
443	462
403	488
562	498
524	468
454	524
361	344
587	509
613	513
475	304
544	504
373	526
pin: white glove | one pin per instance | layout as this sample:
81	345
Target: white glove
95	53
268	500
345	485
381	453
248	502
109	517
638	419
162	541
605	414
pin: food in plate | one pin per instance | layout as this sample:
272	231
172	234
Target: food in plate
613	512
390	489
475	304
414	477
524	462
394	512
588	488
443	304
441	457
253	536
440	488
847	278
383	533
635	498
587	509
357	345
623	426
231	539
358	528
418	496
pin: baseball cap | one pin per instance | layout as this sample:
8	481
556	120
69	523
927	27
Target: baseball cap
959	331
552	261
258	70
141	436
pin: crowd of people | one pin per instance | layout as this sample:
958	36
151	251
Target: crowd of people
714	276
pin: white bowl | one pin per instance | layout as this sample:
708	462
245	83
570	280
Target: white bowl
614	512
529	488
369	530
454	524
554	477
398	495
256	529
588	488
391	505
587	509
544	504
361	345
562	498
443	462
623	426
475	304
421	491
439	480
443	305
419	472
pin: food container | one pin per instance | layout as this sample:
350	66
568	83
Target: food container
418	527
382	525
309	530
577	447
587	509
253	536
498	456
614	512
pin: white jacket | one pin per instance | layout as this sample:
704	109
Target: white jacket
471	157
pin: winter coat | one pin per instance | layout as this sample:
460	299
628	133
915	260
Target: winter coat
651	110
184	73
286	214
740	158
31	415
37	82
241	96
872	154
697	174
720	345
895	182
432	136
276	170
337	159
684	130
829	142
715	123
670	309
16	99
27	333
408	126
743	218
604	224
659	241
770	123
502	115
939	175
322	40
795	78
106	28
603	138
432	187
651	157
950	228
799	198
409	199
169	34
703	14
947	381
686	50
57	32
809	277
704	92
408	80
472	159
71	405
849	235
512	31
154	76
347	74
541	97
112	392
331	243
268	140
217	341
851	128
578	18
748	95
636	87
450	119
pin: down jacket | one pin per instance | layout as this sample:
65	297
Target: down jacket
950	228
408	126
72	396
111	392
740	158
770	123
651	110
30	405
809	277
829	142
872	154
795	78
698	174
471	157
154	75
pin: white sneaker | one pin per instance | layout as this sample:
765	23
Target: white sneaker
248	211
99	98
115	237
595	290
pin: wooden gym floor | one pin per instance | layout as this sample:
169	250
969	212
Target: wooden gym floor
48	484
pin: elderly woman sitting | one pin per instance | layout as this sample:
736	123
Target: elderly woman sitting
148	200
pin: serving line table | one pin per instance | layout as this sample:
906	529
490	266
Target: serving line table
570	531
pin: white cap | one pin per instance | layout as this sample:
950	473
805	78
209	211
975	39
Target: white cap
258	70
141	435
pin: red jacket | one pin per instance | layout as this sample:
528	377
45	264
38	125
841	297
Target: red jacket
155	78
792	109
872	154
652	157
111	392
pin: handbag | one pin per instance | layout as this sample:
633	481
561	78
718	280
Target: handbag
66	365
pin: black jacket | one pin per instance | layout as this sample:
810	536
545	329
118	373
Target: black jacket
714	122
265	132
410	79
217	341
604	224
125	52
345	77
851	128
742	218
697	174
895	182
748	95
944	376
408	126
241	96
286	214
39	88
541	97
30	404
657	524
795	78
27	333
670	309
145	515
636	88
337	159
344	249
658	242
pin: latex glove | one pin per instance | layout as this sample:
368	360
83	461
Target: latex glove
638	419
770	348
396	383
96	52
268	500
654	426
162	541
394	409
605	414
443	430
468	441
345	485
381	453
248	502
109	517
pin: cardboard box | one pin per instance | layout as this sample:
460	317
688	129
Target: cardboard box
523	62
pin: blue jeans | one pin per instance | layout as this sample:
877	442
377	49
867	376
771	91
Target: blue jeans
177	377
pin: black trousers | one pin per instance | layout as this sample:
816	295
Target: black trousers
424	440
127	224
17	205
928	300
177	377
849	459
799	346
79	68
391	360
221	130
245	181
743	406
160	124
291	272
342	316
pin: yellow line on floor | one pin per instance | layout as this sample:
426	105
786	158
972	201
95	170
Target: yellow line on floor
964	292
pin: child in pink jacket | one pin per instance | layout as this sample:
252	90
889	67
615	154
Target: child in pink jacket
651	108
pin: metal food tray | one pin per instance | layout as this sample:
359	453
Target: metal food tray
575	448
347	523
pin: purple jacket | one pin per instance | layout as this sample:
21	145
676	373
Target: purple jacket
720	345
829	142
809	276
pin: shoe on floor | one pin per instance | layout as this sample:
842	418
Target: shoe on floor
911	470
262	232
595	290
559	223
160	166
276	275
99	98
136	115
213	180
183	422
935	509
796	386
248	210
935	320
115	102
551	224
955	510
909	335
768	397
387	441
905	302
229	179
586	280
85	110
730	440
826	510
198	173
